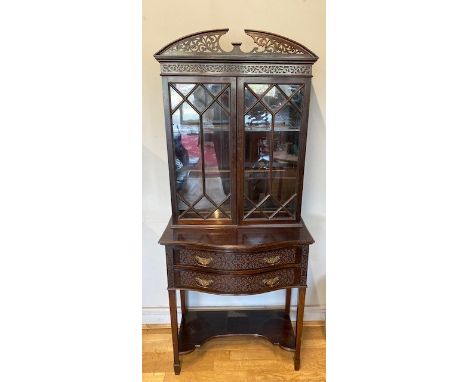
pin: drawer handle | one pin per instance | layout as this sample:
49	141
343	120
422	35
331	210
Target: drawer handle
271	260
271	282
203	282
203	260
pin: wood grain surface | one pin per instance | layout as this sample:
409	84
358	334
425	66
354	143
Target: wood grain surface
234	359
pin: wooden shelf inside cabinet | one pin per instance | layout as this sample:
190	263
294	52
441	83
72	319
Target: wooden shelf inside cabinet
236	131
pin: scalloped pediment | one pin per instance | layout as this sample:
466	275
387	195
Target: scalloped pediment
207	43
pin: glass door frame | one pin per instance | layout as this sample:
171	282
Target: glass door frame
166	81
241	81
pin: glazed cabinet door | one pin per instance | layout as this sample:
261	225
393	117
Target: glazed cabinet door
201	133
272	132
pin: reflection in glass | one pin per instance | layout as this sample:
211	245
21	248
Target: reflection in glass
249	99
214	88
200	98
257	151
256	186
175	98
186	135
285	149
258	118
289	89
217	154
259	89
283	188
270	182
202	193
288	118
298	98
274	99
184	88
224	98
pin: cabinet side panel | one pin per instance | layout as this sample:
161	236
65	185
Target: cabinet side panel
302	150
170	148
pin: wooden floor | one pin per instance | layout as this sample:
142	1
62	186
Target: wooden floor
234	359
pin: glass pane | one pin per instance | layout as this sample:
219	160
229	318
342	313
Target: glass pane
285	149
175	99
190	190
258	202
225	98
257	119
204	207
217	155
256	187
185	134
298	99
226	206
184	88
217	188
274	99
283	188
216	138
249	99
257	151
200	98
283	191
289	89
259	89
288	118
215	88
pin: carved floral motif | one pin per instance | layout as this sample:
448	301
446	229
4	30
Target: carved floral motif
237	284
202	43
208	43
275	45
235	261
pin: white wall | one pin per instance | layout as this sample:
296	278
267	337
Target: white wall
163	22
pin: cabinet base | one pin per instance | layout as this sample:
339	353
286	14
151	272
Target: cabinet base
197	327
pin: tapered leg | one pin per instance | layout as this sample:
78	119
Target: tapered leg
287	305
183	301
175	329
299	322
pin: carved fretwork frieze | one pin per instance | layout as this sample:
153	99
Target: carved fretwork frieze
288	69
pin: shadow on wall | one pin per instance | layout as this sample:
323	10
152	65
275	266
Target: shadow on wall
313	198
314	202
316	274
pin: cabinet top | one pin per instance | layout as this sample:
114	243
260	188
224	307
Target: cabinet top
204	46
237	238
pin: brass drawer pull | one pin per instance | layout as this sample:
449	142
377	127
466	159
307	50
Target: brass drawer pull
204	261
271	260
203	282
271	282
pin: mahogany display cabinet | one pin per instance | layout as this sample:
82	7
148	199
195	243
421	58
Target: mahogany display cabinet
236	128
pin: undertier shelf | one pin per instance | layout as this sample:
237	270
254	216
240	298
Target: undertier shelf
198	327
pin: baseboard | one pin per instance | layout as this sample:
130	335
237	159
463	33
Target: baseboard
160	316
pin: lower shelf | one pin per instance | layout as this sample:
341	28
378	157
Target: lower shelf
198	327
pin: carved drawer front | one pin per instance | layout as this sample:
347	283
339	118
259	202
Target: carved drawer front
219	283
236	261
